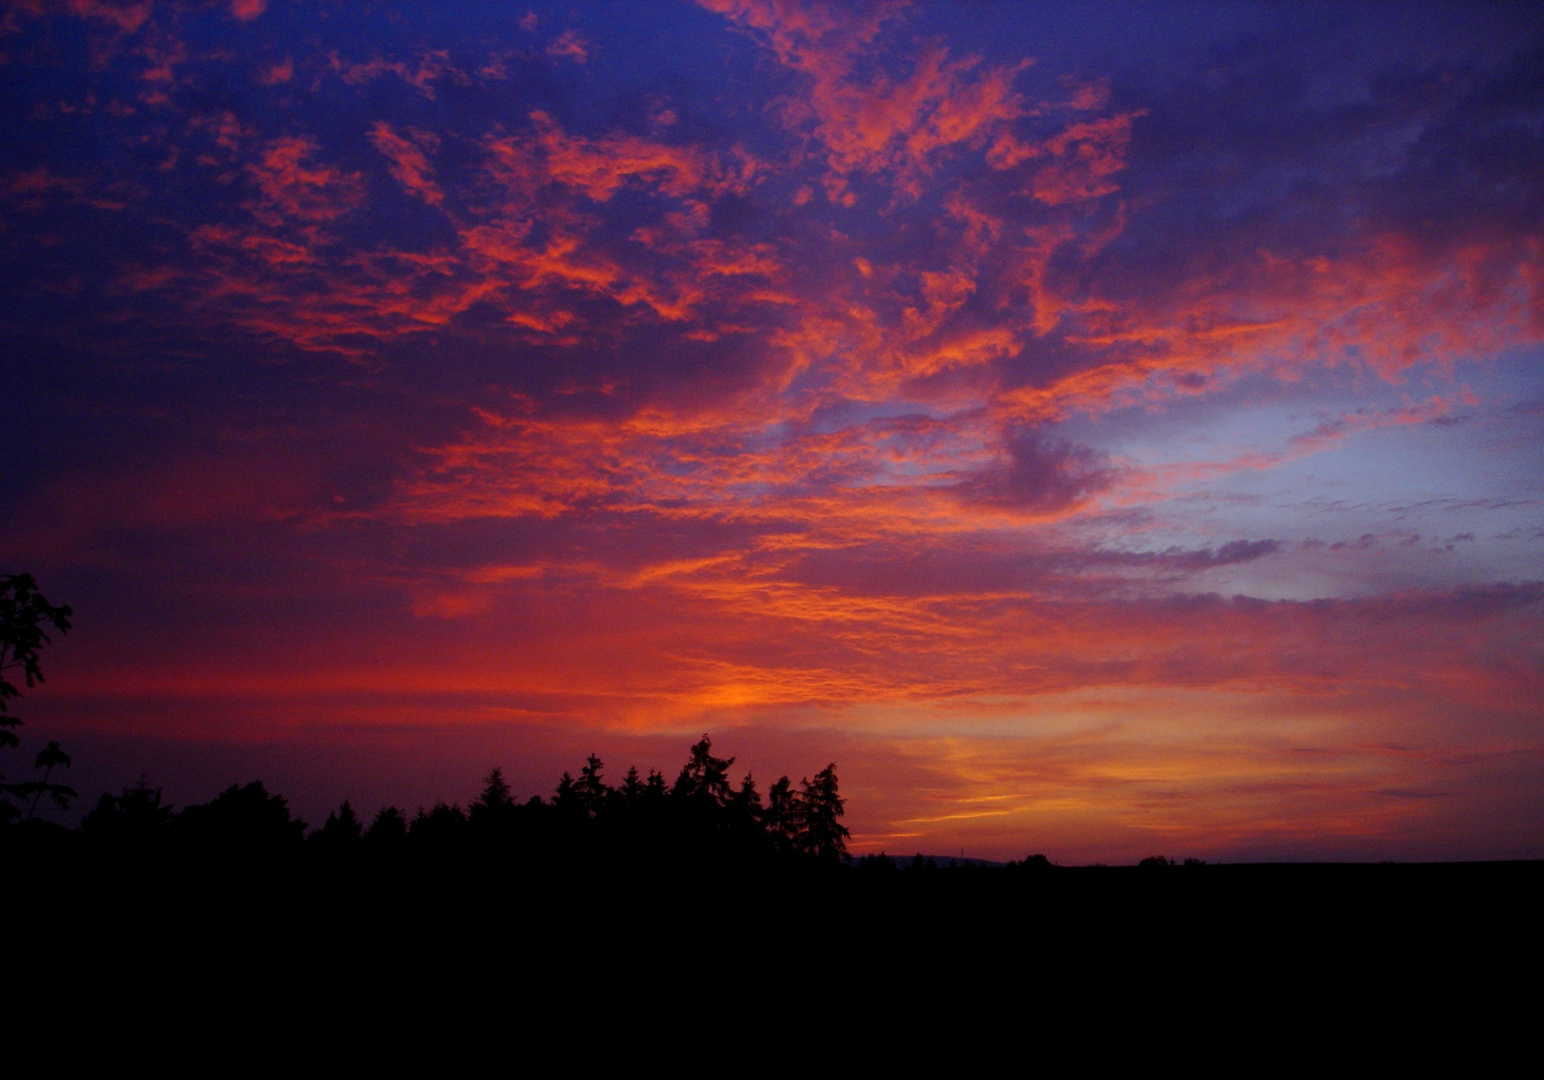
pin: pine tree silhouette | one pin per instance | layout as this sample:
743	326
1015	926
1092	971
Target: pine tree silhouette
822	835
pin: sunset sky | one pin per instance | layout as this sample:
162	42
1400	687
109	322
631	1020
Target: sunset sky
1101	429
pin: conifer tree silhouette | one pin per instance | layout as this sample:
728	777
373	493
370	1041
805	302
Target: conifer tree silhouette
654	789
341	829
704	779
590	789
783	818
745	812
822	835
630	794
442	827
388	832
494	810
566	803
495	793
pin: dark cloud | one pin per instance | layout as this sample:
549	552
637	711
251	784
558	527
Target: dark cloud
1181	560
1041	476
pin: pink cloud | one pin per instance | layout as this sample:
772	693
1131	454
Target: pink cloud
570	45
278	73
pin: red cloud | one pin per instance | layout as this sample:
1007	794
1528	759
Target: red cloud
126	15
422	75
870	123
293	190
1083	159
600	167
409	160
279	73
1384	303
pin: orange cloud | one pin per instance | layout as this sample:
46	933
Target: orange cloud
1084	158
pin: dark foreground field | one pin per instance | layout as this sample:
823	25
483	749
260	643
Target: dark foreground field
1369	956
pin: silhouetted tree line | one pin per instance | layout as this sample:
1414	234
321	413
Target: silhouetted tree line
881	864
701	817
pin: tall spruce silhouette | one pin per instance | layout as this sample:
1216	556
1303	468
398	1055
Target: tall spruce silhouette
822	834
387	834
703	782
341	831
783	818
493	812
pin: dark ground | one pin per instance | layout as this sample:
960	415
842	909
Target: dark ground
1384	961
